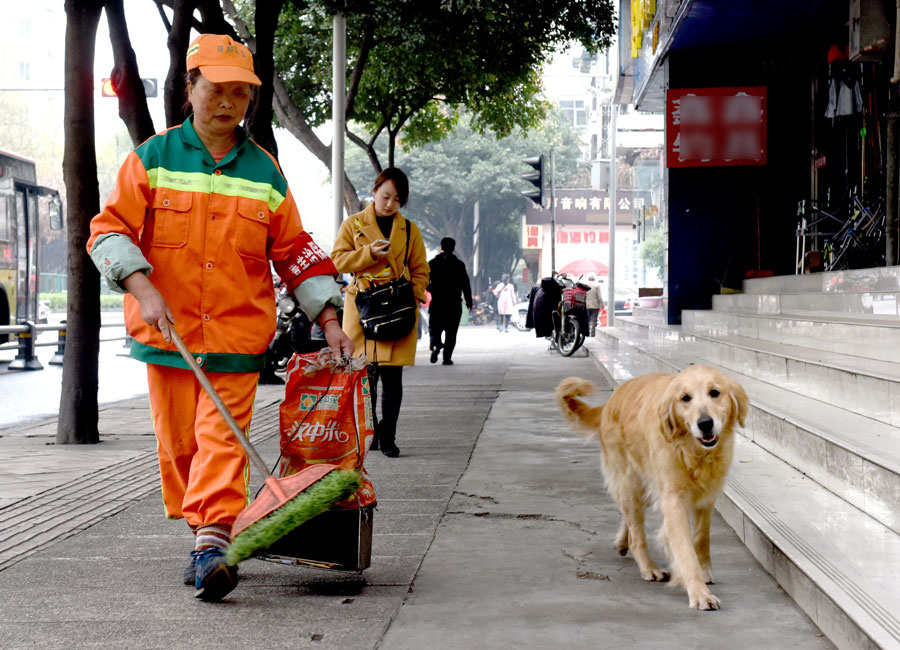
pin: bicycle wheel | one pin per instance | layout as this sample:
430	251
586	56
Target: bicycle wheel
570	336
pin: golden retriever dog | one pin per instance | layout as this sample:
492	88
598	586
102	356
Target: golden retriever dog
668	439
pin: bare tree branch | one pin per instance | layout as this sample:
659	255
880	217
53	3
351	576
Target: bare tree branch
126	78
362	58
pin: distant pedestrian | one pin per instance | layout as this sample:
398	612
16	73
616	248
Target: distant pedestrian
505	291
593	301
449	287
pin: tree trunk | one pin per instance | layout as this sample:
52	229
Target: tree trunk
126	77
78	410
214	18
293	121
177	43
259	119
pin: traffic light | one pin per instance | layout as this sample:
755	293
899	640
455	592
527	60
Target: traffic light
536	178
106	88
151	88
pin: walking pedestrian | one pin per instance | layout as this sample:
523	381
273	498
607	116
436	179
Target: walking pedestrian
505	291
197	213
372	245
449	286
593	301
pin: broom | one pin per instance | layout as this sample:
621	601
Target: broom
283	504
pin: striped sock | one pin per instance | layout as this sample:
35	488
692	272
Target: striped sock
212	535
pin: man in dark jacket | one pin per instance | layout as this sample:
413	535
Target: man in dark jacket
449	282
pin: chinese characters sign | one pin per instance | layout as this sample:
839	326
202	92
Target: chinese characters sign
532	236
714	127
589	206
580	236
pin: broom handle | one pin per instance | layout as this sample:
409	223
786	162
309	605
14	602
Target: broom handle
220	405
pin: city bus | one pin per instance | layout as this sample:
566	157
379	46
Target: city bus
19	237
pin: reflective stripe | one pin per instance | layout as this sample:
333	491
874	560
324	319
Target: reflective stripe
211	183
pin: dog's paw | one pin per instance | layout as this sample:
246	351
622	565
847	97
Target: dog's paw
655	574
621	547
708	576
705	602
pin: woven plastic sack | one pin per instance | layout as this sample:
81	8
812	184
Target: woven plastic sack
326	417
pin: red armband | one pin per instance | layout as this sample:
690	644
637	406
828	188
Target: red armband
305	260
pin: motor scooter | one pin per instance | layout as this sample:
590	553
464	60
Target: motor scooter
293	333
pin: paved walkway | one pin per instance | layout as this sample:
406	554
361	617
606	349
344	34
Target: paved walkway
493	531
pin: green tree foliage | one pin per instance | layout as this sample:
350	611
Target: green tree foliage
448	177
652	250
413	65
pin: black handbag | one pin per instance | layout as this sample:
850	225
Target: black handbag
387	312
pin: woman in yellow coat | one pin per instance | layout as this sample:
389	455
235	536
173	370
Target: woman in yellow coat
372	246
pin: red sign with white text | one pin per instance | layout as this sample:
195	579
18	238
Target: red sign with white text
714	127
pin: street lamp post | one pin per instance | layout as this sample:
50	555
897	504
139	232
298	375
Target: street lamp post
338	81
552	213
613	201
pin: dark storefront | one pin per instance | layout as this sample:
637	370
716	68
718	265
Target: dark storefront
730	221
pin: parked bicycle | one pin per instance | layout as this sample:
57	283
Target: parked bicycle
570	321
857	229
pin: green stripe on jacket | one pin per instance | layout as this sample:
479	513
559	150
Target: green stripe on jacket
210	362
178	160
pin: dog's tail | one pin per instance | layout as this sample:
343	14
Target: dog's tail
583	417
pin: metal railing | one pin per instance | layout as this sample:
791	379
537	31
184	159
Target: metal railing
26	334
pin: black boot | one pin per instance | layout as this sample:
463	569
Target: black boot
388	447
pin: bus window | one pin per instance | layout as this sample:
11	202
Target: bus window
4	223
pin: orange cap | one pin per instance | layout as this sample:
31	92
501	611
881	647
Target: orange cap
221	59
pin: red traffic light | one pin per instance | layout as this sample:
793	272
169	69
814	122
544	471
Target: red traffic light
106	88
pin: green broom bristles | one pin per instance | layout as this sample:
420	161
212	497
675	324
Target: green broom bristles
319	497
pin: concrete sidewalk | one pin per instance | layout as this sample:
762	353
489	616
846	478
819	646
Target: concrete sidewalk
493	530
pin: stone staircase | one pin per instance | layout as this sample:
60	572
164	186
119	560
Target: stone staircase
814	491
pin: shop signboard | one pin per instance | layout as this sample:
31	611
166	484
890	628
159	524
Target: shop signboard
589	206
532	236
714	127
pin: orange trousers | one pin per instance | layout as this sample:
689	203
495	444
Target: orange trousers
204	470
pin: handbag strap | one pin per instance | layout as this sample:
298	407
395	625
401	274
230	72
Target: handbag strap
406	255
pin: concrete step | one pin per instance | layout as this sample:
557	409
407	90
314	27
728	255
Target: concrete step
853	281
649	314
859	337
875	306
869	387
822	534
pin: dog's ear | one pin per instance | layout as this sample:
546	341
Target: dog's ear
667	424
740	403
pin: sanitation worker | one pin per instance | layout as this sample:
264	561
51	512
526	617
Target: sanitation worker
197	214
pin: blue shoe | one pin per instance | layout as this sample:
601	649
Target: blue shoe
190	573
214	579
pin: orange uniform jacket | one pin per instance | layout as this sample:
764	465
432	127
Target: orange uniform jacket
208	230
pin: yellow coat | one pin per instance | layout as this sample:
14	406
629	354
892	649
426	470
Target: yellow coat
352	254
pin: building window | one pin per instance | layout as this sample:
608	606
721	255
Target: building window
573	111
24	71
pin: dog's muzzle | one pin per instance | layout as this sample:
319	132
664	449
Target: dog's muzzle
707	428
